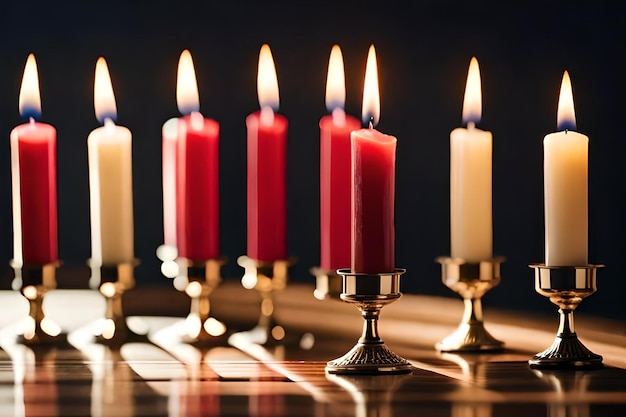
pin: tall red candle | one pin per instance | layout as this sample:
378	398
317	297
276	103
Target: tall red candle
373	186
267	186
335	166
33	161
197	172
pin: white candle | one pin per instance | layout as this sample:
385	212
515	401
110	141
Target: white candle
470	179
565	186
110	179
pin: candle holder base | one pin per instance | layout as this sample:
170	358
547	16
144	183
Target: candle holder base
112	282
267	278
370	356
566	287
34	281
471	281
328	284
200	328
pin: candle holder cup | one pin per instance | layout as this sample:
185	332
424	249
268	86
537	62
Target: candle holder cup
200	329
112	281
370	293
328	284
566	287
267	278
34	281
471	281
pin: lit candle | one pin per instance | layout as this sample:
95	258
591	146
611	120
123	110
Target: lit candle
471	227
335	180
169	134
33	169
565	186
267	141
110	179
197	171
373	185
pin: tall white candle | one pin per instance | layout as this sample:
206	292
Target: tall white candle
110	179
566	186
471	233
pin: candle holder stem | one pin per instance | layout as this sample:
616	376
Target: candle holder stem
370	293
566	287
471	281
267	278
203	278
112	282
35	282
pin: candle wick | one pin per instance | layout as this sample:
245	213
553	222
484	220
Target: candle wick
371	122
31	119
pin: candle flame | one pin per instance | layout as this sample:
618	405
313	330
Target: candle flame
371	97
566	117
335	81
104	100
186	85
472	101
267	83
30	100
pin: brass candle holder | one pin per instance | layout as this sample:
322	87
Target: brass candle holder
34	281
566	287
471	280
267	278
112	281
200	329
328	284
370	293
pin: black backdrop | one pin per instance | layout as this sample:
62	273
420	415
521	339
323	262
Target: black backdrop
423	52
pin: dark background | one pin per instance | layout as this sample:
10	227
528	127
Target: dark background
423	49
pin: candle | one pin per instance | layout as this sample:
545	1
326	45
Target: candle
34	181
110	179
373	185
565	186
471	227
335	179
267	141
169	134
197	171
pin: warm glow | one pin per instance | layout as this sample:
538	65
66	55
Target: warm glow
107	289
186	85
30	101
214	327
108	329
566	116
472	102
335	81
267	83
170	269
103	98
193	325
194	289
371	97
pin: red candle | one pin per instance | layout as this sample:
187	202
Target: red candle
267	142
335	179
197	172
373	186
33	166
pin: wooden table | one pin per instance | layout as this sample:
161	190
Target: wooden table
160	376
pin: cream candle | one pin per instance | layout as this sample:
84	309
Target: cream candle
110	179
565	186
471	234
